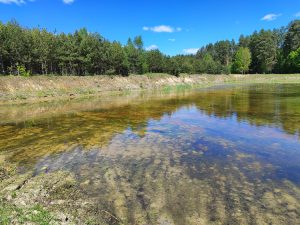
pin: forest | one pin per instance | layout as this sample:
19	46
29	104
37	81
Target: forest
36	51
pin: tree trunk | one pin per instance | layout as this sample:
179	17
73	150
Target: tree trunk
2	65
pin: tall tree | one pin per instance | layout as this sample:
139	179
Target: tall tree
293	61
118	59
155	61
15	46
3	52
292	38
242	60
244	41
223	52
133	57
138	42
263	48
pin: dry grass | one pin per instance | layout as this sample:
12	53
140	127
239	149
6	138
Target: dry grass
45	87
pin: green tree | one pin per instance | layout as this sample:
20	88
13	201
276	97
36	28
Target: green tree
133	57
244	41
208	65
155	61
118	59
40	50
292	38
293	61
3	52
138	42
242	60
263	48
223	51
15	47
172	66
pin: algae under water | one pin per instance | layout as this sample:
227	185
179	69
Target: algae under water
228	155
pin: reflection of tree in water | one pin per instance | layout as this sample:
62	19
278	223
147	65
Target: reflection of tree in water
259	105
29	141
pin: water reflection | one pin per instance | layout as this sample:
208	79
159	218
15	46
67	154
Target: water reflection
220	156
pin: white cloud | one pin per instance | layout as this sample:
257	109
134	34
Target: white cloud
68	1
190	51
270	17
18	2
163	28
151	47
172	39
297	14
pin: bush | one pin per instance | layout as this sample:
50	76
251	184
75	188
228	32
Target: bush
22	71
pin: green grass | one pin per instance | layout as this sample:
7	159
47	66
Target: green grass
153	75
180	87
10	214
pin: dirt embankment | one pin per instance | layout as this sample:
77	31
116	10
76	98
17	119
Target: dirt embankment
13	88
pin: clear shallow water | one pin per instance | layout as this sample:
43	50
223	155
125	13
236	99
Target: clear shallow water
228	155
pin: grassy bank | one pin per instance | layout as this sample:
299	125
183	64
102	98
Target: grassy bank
40	88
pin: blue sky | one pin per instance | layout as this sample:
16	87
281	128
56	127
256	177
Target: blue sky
174	26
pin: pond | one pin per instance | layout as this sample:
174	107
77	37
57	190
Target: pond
222	155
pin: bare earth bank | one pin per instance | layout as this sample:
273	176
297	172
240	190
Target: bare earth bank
41	88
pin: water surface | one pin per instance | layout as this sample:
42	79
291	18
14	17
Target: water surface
225	155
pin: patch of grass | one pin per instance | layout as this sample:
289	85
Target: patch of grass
180	87
153	75
47	93
14	195
10	214
85	91
6	170
40	216
20	96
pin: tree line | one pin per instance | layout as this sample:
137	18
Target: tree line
26	51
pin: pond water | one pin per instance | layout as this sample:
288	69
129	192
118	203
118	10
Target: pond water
223	155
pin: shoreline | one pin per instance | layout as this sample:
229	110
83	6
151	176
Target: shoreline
21	90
